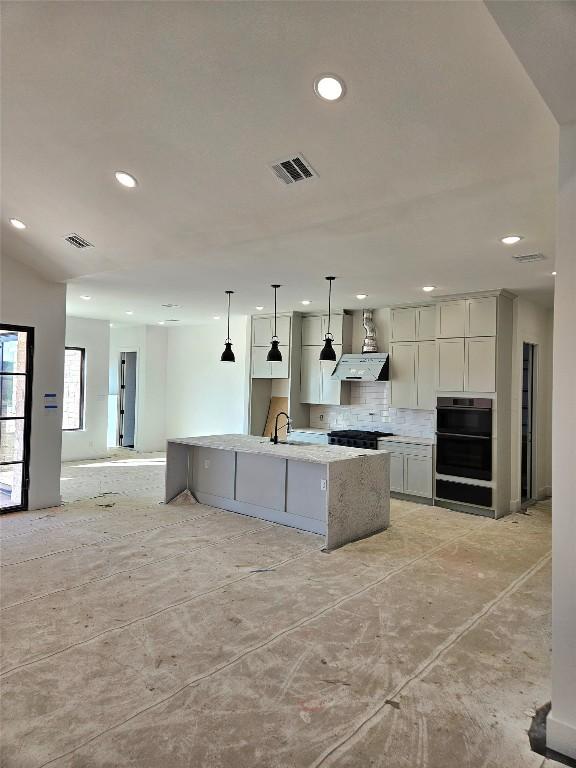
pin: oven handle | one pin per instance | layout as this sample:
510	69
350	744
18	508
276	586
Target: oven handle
466	437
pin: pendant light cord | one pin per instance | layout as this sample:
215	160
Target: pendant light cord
275	290
329	304
228	338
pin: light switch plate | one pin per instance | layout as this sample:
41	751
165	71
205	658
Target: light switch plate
206	463
322	485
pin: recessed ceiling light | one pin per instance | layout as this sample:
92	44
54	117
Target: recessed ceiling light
216	317
259	309
111	325
129	312
86	298
361	295
125	179
428	288
305	302
329	87
511	239
553	274
160	322
17	223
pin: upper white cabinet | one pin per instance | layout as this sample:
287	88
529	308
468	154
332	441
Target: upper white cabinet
262	369
480	367
451	319
403	361
426	323
481	316
263	329
317	386
315	328
412	374
450	365
403	324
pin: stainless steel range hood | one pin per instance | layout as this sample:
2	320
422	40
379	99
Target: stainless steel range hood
367	367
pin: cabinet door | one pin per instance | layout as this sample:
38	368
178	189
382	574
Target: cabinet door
261	331
310	375
281	370
451	319
426	375
312	327
450	365
426	323
481	316
336	324
403	358
481	365
260	366
397	472
418	476
403	323
282	329
330	389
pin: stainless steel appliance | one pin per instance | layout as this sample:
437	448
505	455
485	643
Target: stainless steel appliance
464	448
356	438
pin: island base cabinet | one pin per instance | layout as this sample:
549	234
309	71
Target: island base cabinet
306	490
261	481
213	471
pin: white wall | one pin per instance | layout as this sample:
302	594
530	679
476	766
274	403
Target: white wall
204	395
561	725
532	324
28	299
150	344
94	337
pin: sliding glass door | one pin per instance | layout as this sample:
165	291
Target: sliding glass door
16	350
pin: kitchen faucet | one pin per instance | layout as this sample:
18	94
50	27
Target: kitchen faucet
274	438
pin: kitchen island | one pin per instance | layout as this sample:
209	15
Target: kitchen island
341	493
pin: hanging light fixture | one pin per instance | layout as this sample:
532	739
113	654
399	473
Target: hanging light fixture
274	355
228	355
328	352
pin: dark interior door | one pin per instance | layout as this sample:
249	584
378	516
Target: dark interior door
527	480
16	353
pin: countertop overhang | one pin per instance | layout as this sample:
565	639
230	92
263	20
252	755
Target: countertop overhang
318	454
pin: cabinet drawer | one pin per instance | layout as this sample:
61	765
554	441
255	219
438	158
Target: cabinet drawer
412	449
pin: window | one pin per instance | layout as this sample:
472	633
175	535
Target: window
73	400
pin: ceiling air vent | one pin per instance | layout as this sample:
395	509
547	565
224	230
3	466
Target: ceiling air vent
293	169
529	257
77	241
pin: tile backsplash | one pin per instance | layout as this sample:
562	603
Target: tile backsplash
370	409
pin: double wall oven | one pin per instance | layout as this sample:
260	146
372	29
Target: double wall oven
464	448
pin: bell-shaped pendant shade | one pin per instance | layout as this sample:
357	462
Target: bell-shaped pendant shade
228	355
327	352
274	355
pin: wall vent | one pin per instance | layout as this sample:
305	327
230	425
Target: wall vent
292	169
77	241
529	257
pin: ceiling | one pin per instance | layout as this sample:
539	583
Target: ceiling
441	145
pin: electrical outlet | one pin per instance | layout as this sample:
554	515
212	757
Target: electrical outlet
321	417
322	485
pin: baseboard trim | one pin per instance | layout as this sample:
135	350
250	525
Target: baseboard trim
561	737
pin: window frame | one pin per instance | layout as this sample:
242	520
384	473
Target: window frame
81	419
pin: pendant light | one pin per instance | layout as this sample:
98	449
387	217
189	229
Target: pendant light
228	355
328	352
274	355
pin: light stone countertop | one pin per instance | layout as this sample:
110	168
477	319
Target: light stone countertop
319	454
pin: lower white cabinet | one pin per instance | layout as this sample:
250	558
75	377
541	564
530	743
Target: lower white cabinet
411	469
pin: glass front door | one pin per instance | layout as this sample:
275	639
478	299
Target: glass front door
16	350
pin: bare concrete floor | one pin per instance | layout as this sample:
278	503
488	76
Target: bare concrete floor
138	634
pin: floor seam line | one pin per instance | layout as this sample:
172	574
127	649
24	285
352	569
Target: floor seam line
449	643
9	672
302	622
110	539
98	579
